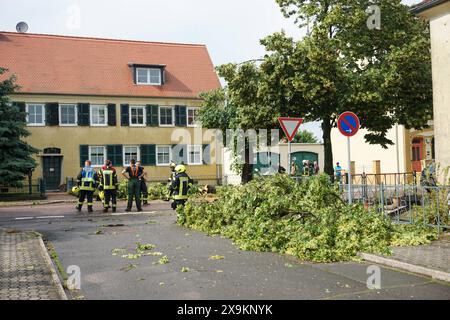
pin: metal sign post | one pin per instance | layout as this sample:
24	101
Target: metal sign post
289	158
349	173
348	125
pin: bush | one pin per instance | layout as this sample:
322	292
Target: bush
307	220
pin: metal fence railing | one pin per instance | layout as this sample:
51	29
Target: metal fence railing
30	189
407	203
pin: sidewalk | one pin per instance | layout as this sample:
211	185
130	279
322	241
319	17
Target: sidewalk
431	260
26	270
53	197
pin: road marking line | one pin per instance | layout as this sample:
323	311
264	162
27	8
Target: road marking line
126	213
24	218
49	217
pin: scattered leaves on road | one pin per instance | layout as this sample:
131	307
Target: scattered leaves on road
128	267
216	257
140	247
185	269
117	251
163	260
132	256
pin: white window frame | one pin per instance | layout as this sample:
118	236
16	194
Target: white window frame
189	149
91	114
42	124
195	124
60	115
170	155
104	155
148	82
138	158
173	116
144	118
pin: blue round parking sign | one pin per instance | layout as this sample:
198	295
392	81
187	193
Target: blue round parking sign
348	124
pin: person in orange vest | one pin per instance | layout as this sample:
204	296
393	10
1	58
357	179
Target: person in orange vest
135	174
144	190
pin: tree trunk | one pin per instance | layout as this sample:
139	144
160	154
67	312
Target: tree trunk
247	170
328	151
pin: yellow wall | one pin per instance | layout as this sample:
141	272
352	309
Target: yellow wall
69	139
439	17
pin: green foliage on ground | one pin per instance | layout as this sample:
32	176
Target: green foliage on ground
307	220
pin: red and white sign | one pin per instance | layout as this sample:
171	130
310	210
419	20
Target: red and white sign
290	126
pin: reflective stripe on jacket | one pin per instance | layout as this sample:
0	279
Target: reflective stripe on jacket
108	179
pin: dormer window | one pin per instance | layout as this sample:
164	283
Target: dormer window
148	74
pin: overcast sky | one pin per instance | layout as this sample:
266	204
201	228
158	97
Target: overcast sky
231	29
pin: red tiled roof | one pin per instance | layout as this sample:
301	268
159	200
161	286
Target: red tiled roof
91	66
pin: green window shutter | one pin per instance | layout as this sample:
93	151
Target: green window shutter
112	121
22	108
84	154
152	115
179	153
148	154
114	153
83	114
180	116
124	115
206	154
52	114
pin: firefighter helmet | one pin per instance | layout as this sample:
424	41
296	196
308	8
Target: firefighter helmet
75	189
180	168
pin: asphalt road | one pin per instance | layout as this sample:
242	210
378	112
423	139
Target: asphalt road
87	241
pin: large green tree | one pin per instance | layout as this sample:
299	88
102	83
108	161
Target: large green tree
383	75
16	155
305	136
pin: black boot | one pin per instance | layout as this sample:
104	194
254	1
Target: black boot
78	207
114	209
90	209
105	210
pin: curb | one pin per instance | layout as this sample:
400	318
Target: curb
37	204
433	273
53	272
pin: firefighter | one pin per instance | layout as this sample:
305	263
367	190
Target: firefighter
87	181
171	179
108	185
135	173
143	184
180	186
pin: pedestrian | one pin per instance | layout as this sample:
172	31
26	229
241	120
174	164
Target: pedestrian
306	167
338	172
87	180
143	184
294	168
316	168
180	186
108	185
135	173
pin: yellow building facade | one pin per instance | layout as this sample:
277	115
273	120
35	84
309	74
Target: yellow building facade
112	99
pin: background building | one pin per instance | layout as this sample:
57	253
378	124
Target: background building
97	99
438	14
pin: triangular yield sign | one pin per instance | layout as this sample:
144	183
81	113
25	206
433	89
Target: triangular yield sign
290	126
